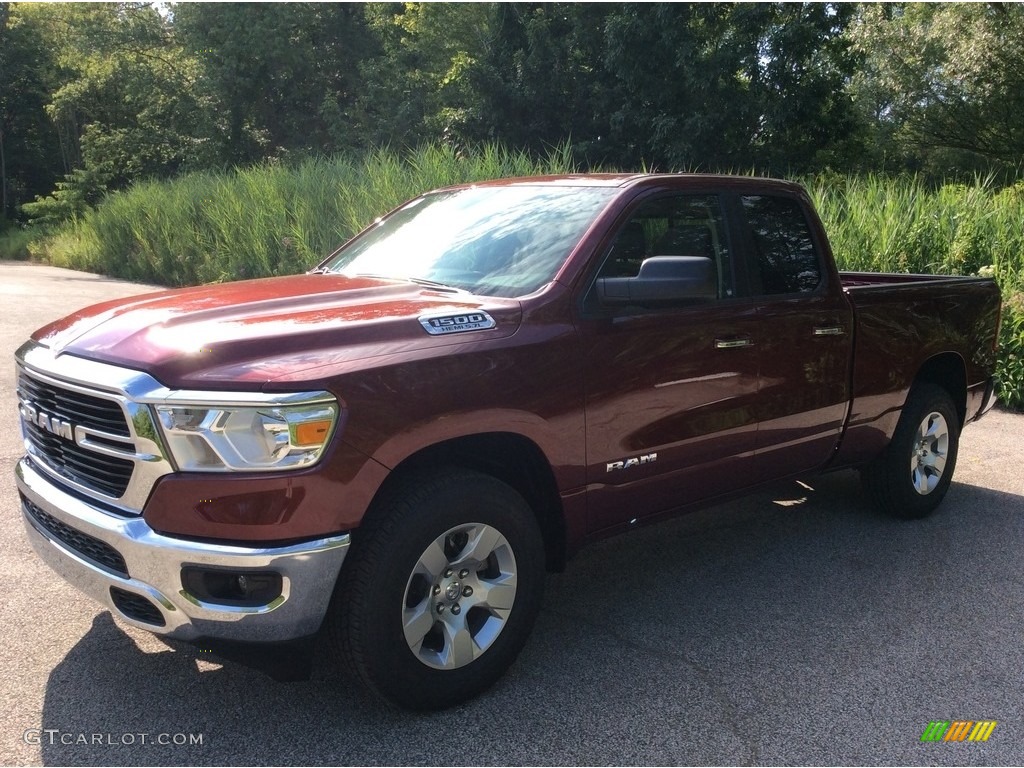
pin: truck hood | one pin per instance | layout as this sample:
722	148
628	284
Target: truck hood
259	331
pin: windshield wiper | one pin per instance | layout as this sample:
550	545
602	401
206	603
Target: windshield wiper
417	280
435	284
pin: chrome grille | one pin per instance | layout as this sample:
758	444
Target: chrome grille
76	407
108	475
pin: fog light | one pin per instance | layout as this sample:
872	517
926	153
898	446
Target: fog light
223	586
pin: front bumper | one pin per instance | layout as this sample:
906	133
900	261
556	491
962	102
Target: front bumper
136	572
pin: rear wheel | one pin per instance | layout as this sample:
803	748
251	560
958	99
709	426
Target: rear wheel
911	478
441	591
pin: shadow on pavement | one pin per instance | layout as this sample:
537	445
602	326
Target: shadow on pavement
790	627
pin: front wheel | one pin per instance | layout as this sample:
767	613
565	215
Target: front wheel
911	477
442	589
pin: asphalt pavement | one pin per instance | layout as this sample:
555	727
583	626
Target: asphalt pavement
793	627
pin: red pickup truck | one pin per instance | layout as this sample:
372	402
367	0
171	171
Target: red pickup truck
395	447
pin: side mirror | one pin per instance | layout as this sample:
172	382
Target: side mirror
662	280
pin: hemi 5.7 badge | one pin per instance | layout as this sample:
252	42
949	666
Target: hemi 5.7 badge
438	325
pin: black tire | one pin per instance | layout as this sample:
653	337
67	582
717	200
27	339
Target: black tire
388	580
904	483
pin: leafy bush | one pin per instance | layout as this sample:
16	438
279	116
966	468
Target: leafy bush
15	242
1010	364
72	197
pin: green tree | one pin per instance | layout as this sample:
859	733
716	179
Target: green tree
423	83
276	77
800	79
29	151
122	100
943	83
542	80
708	86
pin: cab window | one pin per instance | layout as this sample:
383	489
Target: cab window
784	258
680	225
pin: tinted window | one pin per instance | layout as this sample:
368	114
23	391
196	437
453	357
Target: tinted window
683	225
785	260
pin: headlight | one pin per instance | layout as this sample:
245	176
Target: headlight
210	438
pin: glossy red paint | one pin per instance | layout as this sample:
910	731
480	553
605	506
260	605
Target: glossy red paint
904	323
248	333
657	384
804	392
585	388
267	508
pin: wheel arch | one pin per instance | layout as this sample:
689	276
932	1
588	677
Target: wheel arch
510	457
947	370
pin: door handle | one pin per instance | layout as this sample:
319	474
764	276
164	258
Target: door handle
733	343
829	330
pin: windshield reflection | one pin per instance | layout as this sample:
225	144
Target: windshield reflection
493	241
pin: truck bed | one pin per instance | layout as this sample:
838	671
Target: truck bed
902	321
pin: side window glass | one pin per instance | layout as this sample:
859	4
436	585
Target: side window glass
785	260
690	225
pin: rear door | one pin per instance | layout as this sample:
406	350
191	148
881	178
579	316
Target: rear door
805	338
671	390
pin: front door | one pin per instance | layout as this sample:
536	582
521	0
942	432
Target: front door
671	390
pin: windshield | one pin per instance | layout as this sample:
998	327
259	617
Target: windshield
493	241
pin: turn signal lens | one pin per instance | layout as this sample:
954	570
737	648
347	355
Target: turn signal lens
311	432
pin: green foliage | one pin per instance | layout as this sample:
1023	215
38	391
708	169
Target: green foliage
1010	362
942	84
71	198
771	71
276	78
131	93
707	86
424	82
903	225
268	219
29	149
120	102
15	241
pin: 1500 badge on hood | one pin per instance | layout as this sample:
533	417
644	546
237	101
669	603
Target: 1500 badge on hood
438	325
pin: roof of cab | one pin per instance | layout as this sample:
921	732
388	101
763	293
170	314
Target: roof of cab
623	180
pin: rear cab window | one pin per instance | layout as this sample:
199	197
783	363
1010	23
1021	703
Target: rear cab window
784	259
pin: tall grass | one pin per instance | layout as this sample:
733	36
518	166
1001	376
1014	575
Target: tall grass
901	225
274	220
15	242
266	220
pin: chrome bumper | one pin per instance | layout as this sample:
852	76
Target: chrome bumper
153	563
